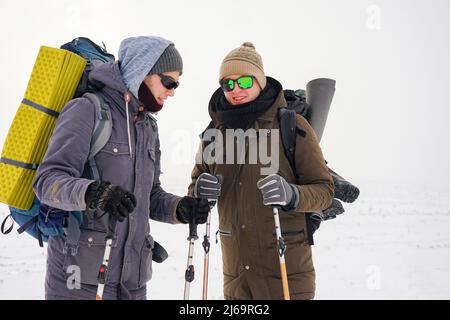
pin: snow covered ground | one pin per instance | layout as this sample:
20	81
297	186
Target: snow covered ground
389	118
393	243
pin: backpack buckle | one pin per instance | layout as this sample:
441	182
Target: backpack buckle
72	248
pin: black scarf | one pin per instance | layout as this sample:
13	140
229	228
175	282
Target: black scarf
244	115
148	99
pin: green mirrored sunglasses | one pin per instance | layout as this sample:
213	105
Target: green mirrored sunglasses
244	82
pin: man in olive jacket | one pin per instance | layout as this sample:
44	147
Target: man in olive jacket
247	100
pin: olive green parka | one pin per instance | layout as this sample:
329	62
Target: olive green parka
247	232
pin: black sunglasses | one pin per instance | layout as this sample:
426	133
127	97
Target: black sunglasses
168	82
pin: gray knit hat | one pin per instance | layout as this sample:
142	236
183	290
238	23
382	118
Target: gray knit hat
170	60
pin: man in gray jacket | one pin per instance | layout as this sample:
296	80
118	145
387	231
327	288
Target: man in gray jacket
129	188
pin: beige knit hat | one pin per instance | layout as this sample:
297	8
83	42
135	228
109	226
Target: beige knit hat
246	61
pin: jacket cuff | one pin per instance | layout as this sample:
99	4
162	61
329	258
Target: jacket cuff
175	213
296	196
295	199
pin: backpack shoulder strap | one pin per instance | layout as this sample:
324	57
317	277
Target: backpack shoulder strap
288	126
288	131
101	134
102	130
72	235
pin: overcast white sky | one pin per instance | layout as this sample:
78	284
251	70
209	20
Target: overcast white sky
389	58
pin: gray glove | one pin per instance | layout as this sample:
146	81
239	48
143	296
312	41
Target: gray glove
277	192
208	186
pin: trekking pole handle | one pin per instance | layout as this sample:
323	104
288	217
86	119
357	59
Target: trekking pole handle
111	227
192	231
193	225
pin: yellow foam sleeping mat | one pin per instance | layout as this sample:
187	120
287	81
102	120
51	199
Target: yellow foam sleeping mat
52	84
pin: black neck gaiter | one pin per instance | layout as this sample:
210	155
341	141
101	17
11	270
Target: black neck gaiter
147	98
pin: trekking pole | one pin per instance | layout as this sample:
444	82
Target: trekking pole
206	246
103	272
281	250
190	272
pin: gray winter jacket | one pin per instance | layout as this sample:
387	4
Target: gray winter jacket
63	177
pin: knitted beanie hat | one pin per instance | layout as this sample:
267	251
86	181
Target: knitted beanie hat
244	60
170	60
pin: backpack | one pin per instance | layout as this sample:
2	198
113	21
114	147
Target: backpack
42	221
296	104
94	55
344	190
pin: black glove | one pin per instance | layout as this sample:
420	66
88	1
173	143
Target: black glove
185	210
331	212
114	200
344	190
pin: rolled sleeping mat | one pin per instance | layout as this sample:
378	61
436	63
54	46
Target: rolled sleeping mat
319	94
52	84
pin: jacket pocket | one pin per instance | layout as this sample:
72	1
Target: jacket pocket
298	252
230	252
152	166
89	256
145	265
116	148
224	233
293	235
114	161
